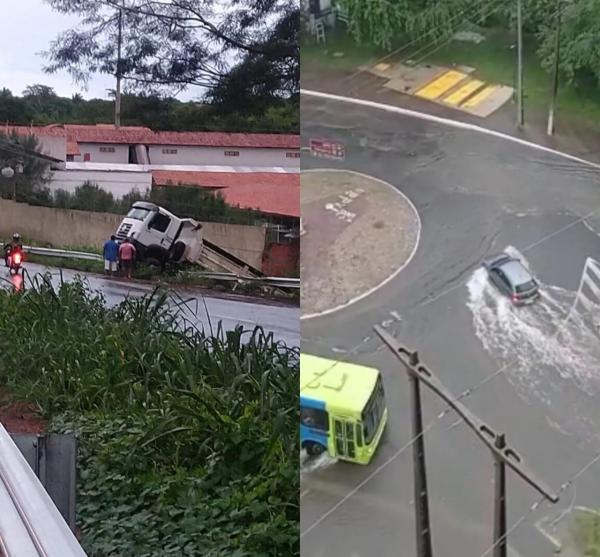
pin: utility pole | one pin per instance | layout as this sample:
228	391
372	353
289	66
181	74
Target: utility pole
423	525
502	453
520	112
500	543
552	109
118	89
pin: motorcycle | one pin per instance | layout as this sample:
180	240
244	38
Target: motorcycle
14	260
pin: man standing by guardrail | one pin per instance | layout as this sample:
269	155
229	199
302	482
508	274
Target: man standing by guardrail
111	255
127	257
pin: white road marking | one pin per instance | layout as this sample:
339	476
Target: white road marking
446	122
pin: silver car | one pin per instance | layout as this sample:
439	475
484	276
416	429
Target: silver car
512	278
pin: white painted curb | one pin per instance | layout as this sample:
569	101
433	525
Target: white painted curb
390	277
446	122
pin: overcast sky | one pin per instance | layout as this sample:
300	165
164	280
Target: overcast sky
26	29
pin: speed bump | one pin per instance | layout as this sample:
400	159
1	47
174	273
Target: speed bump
441	85
462	93
480	97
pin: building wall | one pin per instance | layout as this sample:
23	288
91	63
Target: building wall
119	183
282	260
120	155
216	156
54	147
59	227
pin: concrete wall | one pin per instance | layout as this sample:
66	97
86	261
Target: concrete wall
119	183
121	154
216	156
54	147
58	227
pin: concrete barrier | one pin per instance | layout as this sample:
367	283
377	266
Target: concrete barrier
61	227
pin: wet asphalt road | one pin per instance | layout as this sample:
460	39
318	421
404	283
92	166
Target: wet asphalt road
476	195
282	320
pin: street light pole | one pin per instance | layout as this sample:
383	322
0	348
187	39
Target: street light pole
552	109
520	111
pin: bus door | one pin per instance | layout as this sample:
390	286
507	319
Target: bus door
345	443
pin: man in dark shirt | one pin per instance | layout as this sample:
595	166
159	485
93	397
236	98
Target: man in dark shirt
111	255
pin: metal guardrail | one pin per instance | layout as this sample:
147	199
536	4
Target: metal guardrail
275	282
67	254
30	523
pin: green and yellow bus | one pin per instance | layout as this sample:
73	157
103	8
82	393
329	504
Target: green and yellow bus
342	409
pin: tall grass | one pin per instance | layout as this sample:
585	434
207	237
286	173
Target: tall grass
188	441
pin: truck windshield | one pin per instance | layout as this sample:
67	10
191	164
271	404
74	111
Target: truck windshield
138	213
373	412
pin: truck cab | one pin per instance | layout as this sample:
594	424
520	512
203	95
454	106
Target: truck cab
160	236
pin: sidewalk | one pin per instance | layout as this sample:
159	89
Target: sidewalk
571	138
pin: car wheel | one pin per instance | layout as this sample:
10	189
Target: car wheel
314	449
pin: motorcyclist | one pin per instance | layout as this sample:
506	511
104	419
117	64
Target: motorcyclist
14	245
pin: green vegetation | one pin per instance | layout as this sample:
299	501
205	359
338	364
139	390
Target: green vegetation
188	442
493	59
340	53
184	201
41	105
586	533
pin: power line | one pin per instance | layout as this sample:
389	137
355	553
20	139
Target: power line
564	486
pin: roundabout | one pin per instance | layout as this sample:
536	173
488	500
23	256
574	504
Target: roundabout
359	233
476	196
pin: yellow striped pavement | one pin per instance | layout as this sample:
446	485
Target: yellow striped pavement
440	85
463	92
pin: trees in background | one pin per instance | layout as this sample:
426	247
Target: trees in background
382	23
40	105
30	185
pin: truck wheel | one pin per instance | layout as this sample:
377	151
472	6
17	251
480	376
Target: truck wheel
314	449
177	251
154	263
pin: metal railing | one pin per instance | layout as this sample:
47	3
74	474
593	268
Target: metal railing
274	282
30	523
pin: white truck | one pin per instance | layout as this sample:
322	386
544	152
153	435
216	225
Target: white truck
159	236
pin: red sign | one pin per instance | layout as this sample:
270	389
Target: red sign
327	149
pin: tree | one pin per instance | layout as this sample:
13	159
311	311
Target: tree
170	45
31	184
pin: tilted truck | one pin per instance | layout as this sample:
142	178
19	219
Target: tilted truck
159	236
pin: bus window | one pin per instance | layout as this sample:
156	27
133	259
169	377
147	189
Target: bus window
373	412
350	439
359	436
315	418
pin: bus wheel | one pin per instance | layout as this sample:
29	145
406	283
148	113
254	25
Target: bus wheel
314	449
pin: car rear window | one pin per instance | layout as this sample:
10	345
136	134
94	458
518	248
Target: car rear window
525	287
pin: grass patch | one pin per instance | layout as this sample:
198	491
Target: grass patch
188	442
322	57
495	61
586	533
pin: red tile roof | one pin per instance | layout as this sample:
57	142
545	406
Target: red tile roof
218	139
73	148
107	133
272	193
40	131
